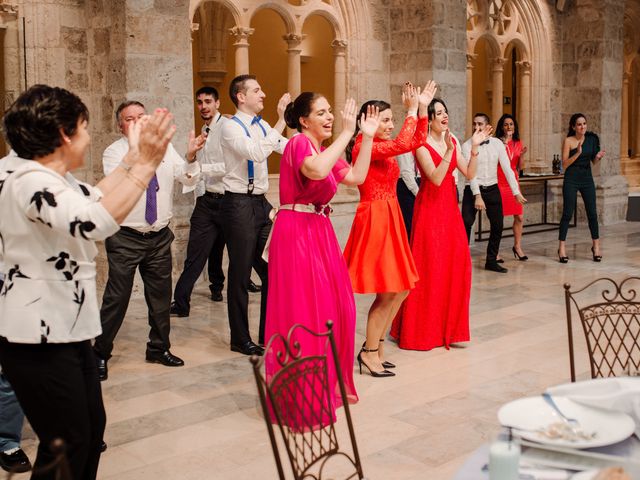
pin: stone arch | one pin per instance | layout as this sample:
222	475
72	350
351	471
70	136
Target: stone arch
524	23
194	5
630	101
281	8
338	29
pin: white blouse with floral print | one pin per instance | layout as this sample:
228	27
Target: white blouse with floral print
48	228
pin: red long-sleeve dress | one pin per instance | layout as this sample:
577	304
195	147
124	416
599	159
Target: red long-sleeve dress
377	252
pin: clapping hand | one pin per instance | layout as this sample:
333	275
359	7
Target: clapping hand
524	150
600	154
154	132
370	121
579	147
349	115
410	97
195	144
282	104
448	141
481	135
428	92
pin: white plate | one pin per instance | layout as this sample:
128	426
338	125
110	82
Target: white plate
530	414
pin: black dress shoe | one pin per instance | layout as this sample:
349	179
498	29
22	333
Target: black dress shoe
103	447
174	311
248	348
253	288
216	296
494	267
16	462
166	358
101	363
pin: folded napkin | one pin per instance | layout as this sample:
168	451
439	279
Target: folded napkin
619	394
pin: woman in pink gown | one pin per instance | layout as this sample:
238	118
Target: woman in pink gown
308	279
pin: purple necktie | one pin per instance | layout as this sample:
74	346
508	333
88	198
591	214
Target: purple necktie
151	212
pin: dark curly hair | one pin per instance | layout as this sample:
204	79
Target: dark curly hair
300	107
33	123
500	128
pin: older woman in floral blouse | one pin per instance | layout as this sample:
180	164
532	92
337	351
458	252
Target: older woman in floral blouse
49	223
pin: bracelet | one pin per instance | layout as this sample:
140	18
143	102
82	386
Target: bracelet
125	166
137	181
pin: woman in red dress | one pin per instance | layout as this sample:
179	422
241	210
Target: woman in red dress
377	253
436	312
507	131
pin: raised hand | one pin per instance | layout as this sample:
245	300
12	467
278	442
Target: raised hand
410	97
480	136
155	134
579	147
282	104
195	144
349	115
448	141
370	121
600	154
428	92
524	150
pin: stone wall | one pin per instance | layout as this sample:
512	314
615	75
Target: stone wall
427	40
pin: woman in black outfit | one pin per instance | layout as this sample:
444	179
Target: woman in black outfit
579	150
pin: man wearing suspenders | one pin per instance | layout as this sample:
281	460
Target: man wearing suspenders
247	141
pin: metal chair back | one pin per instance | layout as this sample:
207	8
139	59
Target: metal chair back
610	317
297	399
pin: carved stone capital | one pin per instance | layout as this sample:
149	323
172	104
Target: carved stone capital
195	27
241	34
293	40
8	11
525	66
339	47
471	58
497	64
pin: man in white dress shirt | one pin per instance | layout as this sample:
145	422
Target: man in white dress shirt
247	142
482	192
144	243
206	236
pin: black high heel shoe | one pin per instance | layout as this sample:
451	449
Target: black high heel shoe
596	258
562	259
386	364
373	373
522	258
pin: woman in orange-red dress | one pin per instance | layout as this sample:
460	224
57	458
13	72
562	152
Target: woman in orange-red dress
507	131
377	253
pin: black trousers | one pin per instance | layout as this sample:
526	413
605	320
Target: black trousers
406	199
578	180
247	226
151	253
206	240
58	388
493	202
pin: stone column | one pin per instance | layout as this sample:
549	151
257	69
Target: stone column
241	35
624	124
637	152
497	70
471	58
294	77
524	103
340	81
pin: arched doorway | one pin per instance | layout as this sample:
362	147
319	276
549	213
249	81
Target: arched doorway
508	45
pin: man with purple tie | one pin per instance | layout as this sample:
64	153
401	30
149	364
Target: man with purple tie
143	243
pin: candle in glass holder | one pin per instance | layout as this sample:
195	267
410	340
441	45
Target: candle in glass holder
504	459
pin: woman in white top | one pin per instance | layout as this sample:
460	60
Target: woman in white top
49	223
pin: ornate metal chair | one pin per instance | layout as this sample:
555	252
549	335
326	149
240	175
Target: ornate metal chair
298	400
59	465
611	325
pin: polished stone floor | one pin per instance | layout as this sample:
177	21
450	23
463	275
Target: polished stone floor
202	421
